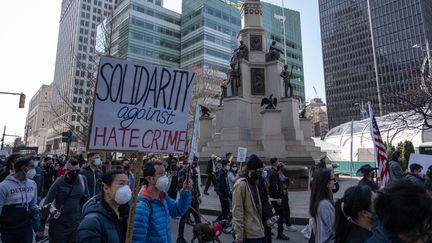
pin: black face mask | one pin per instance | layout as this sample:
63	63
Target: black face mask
126	167
73	175
194	165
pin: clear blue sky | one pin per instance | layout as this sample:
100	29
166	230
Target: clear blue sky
311	38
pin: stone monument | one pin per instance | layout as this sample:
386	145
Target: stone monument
242	120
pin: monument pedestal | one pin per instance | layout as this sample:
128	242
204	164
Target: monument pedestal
291	124
272	138
205	131
306	127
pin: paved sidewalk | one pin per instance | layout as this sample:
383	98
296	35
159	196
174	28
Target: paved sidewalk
298	200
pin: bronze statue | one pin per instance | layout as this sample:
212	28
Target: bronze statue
302	113
234	79
240	52
224	87
274	52
270	102
287	81
205	112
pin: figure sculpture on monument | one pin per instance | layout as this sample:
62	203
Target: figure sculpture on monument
286	76
234	79
270	102
205	112
224	87
274	52
240	52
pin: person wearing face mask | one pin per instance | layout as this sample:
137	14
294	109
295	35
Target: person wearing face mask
155	208
276	193
223	190
251	210
63	203
93	172
126	168
50	174
18	196
354	215
321	206
105	215
196	198
232	176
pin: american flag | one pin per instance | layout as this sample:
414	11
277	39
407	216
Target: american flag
380	153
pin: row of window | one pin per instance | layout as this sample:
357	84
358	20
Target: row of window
151	26
154	40
153	54
155	13
235	20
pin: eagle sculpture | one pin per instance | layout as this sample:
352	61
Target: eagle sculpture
270	102
205	112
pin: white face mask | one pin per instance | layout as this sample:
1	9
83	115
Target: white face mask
162	183
98	161
31	173
123	195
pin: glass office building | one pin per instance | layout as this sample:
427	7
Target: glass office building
364	65
143	30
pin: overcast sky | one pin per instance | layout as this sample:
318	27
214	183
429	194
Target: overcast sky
28	47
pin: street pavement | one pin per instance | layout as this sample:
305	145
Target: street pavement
296	237
298	201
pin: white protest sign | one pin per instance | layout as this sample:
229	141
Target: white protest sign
140	107
241	154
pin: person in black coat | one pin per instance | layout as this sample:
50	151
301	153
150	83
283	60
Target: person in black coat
367	180
105	215
224	189
211	174
414	174
276	195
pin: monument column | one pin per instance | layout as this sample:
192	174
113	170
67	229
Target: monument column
272	138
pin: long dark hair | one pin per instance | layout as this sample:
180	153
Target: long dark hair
355	199
319	190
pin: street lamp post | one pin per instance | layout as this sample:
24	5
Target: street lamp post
423	67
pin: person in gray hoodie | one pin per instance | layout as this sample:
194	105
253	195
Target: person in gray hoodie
18	196
64	200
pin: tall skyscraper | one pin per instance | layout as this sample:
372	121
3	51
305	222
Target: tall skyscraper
143	30
368	54
74	70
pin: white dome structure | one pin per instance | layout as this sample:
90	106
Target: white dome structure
393	130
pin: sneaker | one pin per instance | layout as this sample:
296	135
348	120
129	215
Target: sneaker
206	193
290	228
282	237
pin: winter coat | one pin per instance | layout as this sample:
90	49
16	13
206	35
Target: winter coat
17	204
93	178
365	182
211	167
100	223
325	222
275	185
154	224
222	184
247	218
415	179
395	171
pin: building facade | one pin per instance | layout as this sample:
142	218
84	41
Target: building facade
145	31
74	71
37	121
368	54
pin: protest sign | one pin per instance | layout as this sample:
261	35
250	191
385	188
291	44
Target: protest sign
241	154
140	107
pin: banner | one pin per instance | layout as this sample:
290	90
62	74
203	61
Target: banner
140	107
241	154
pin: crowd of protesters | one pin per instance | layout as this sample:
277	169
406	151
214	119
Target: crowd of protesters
78	200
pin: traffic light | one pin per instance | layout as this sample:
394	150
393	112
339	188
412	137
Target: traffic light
21	101
67	137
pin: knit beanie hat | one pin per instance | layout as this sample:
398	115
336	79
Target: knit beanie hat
254	163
